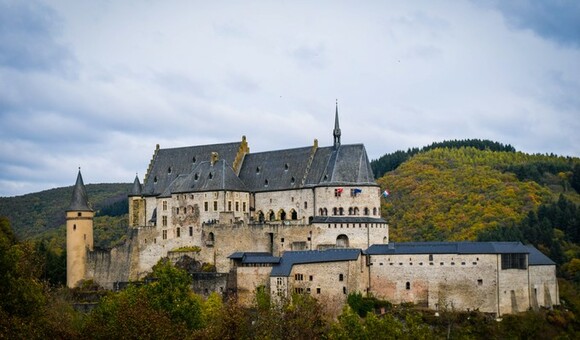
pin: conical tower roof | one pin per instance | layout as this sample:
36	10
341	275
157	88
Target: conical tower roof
137	188
79	201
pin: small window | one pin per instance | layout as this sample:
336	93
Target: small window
196	176
193	160
79	214
430	257
266	183
317	290
344	290
178	232
282	240
169	170
165	234
210	175
155	179
190	231
340	277
480	282
408	285
205	206
215	205
311	278
74	227
292	181
286	167
257	170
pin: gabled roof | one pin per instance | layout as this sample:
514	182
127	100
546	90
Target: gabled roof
275	170
168	164
291	258
447	248
254	257
206	177
537	258
79	200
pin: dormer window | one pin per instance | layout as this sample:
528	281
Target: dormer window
326	177
169	170
286	166
196	177
292	181
193	160
266	183
210	175
258	170
155	179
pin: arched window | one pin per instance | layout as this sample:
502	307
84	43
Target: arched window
355	211
325	212
261	216
210	240
375	211
350	211
334	211
294	214
340	211
271	216
320	212
282	214
385	240
366	211
342	241
408	285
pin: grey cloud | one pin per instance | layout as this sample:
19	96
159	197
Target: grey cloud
27	37
555	20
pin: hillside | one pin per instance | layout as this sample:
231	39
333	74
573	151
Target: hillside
43	212
457	193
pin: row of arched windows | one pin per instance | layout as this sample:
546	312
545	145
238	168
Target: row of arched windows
281	215
352	211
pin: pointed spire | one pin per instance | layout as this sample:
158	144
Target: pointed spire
137	188
79	201
336	132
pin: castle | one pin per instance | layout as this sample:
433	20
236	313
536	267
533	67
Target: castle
304	220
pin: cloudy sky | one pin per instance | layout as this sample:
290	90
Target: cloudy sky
97	84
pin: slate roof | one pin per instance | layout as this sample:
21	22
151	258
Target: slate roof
79	199
137	189
347	164
290	258
168	164
275	170
206	177
254	257
347	219
447	248
537	258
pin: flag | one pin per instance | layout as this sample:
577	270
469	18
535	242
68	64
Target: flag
357	191
386	193
339	190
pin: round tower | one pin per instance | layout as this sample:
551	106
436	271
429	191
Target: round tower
79	234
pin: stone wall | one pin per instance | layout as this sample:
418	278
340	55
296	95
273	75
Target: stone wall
544	286
248	280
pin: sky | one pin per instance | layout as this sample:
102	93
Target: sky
97	84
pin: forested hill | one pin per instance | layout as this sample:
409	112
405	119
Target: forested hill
391	161
42	212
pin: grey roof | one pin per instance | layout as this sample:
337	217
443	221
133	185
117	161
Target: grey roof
537	258
79	200
344	165
254	257
447	248
275	170
168	164
206	177
347	219
137	189
290	258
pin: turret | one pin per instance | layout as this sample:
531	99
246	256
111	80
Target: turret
136	205
79	233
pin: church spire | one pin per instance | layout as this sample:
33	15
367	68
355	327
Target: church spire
336	132
79	201
137	188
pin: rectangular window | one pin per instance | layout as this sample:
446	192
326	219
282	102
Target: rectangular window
317	290
237	206
164	205
513	261
244	206
229	205
190	231
215	205
205	206
299	290
178	232
279	281
338	192
164	221
298	277
311	278
165	234
305	205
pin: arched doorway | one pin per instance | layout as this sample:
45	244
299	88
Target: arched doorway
342	241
